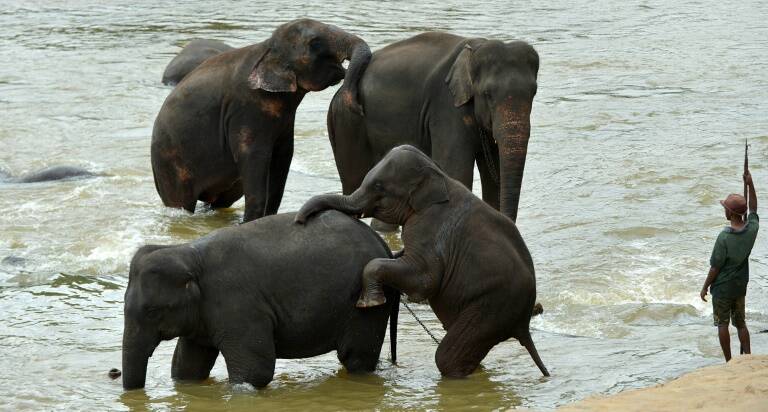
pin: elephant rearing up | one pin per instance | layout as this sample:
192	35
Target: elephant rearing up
227	128
459	253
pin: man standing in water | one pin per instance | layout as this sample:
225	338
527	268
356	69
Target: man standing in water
729	271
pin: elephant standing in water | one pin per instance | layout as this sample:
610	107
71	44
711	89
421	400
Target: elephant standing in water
191	56
263	290
458	99
227	129
459	253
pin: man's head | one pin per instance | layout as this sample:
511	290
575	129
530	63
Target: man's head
735	206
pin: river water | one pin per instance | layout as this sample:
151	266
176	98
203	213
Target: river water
637	130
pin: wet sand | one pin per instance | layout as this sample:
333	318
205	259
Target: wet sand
739	385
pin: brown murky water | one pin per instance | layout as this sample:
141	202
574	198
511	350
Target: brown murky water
637	131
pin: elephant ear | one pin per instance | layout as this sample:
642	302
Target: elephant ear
429	190
271	75
459	79
173	269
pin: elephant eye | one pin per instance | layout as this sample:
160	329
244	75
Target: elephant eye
378	186
315	45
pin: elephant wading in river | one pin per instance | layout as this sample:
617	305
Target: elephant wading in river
48	174
263	290
227	129
191	56
467	259
458	99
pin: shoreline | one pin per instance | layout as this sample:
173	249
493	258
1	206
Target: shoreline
739	385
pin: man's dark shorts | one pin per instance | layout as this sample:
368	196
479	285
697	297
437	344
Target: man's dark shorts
724	309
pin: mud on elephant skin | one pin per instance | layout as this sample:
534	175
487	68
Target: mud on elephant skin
263	290
227	129
48	174
460	100
463	256
191	56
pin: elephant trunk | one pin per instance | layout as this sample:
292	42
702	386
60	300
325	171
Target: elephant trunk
512	130
136	354
319	203
359	54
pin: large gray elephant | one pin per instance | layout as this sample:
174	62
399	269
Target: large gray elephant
460	100
467	259
263	290
227	129
191	56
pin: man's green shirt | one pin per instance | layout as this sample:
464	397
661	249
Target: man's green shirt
731	256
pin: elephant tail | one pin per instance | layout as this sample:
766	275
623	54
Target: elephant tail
527	342
394	311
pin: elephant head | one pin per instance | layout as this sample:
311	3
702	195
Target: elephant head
404	183
161	303
306	54
498	80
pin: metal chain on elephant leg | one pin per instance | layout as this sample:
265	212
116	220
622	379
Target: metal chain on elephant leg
485	141
437	341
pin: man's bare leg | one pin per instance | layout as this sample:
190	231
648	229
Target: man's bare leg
725	341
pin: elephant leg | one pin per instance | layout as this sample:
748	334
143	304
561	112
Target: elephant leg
359	347
192	361
278	174
254	171
453	148
465	345
489	175
351	149
396	273
174	191
250	354
229	196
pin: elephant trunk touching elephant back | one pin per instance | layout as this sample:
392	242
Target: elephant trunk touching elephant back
511	129
344	204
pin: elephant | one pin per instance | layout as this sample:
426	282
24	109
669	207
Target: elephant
259	291
460	100
194	53
48	174
461	255
227	129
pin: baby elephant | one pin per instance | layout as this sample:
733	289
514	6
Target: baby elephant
256	292
194	53
461	254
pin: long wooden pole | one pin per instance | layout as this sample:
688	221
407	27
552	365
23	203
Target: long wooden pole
746	199
746	167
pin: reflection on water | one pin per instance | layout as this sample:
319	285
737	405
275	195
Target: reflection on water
637	130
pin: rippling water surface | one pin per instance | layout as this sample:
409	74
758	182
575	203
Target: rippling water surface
638	129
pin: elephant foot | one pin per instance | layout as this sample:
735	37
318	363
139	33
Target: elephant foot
383	227
374	296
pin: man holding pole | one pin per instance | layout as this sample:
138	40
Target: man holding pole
729	266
